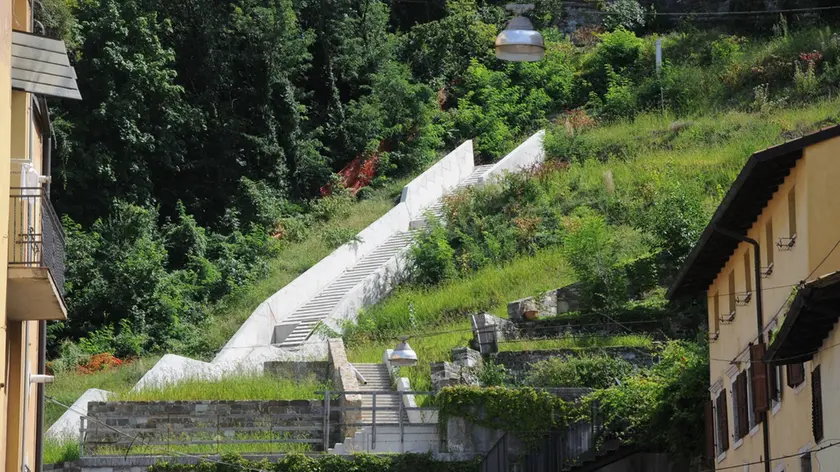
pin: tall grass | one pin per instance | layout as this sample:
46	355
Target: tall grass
578	342
61	451
240	387
69	386
413	309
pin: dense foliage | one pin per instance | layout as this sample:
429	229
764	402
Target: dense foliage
591	371
206	128
325	463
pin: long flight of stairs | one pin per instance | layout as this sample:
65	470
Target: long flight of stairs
297	328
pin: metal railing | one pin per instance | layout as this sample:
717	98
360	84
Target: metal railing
37	235
427	414
342	414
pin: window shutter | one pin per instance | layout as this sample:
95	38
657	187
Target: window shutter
710	430
743	413
723	421
747	269
795	374
769	242
761	401
792	212
732	295
816	405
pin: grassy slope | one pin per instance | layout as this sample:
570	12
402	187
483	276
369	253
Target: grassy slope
710	150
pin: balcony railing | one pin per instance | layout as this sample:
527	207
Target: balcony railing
37	235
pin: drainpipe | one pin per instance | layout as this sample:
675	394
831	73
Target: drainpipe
759	319
27	389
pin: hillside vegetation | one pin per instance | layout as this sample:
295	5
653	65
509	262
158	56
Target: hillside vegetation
204	148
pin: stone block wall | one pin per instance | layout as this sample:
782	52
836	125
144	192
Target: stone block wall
187	421
519	362
344	380
551	303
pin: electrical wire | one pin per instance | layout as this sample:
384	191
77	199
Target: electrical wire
798	454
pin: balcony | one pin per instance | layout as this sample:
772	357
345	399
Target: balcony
36	258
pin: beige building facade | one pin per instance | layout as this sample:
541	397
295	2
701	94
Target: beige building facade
785	203
32	67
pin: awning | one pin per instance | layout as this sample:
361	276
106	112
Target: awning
40	65
812	315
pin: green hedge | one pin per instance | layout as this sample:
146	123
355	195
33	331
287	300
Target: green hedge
325	463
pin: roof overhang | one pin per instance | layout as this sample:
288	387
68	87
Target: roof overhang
40	65
755	185
812	315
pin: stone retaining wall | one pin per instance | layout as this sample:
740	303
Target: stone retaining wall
185	421
518	363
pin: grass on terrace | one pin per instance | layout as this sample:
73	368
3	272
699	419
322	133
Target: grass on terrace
239	387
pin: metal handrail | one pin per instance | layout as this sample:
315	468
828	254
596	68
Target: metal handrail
37	238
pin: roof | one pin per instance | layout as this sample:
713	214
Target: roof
753	188
40	65
812	315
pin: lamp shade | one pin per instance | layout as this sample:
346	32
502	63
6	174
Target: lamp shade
519	42
403	355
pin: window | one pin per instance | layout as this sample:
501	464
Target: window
805	462
732	295
721	423
776	383
769	243
816	405
795	374
792	213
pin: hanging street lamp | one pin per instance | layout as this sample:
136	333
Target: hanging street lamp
403	355
519	42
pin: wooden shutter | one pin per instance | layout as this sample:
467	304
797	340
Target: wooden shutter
816	405
769	242
741	401
761	400
731	293
792	211
710	430
795	374
722	421
716	314
747	271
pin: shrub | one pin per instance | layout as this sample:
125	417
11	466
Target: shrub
587	371
491	374
432	256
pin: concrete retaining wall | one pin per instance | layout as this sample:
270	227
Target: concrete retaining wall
318	371
443	176
526	155
68	424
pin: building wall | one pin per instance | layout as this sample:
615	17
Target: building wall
817	212
5	152
18	353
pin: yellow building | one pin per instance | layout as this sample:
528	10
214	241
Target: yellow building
32	68
762	262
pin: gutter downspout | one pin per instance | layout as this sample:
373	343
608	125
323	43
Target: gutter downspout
759	319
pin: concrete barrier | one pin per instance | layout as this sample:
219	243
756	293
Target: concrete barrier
68	424
526	155
443	176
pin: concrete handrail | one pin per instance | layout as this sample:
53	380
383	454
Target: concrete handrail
527	154
438	179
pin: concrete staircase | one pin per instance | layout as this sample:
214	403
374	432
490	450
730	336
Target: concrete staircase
297	328
378	380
